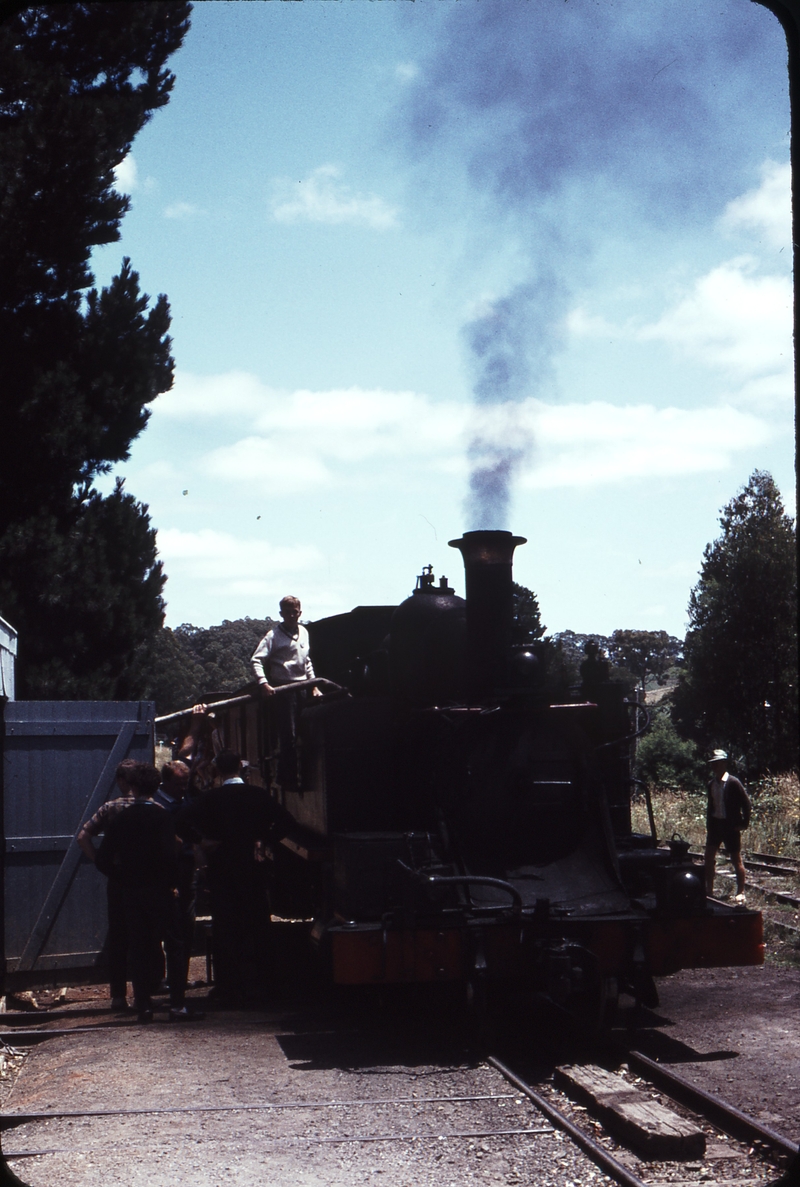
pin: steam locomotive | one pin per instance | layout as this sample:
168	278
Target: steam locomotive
458	827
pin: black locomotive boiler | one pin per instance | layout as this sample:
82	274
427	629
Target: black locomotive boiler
461	828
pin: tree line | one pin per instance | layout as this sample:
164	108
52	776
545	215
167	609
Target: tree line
80	576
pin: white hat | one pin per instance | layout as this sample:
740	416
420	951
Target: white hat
719	756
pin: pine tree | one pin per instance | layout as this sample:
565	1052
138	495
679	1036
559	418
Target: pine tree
739	690
79	576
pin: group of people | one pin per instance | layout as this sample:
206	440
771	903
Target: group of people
159	834
155	839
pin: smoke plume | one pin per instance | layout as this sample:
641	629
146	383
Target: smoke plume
536	108
509	363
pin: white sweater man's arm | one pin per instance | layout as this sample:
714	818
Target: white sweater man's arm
257	659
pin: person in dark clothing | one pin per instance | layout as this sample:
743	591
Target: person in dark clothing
170	795
139	851
728	813
230	820
117	939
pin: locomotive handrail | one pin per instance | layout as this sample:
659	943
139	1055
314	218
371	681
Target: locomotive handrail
316	681
477	880
465	880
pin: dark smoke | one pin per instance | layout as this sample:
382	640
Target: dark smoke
511	345
491	472
640	106
653	98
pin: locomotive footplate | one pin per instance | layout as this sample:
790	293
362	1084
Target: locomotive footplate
623	945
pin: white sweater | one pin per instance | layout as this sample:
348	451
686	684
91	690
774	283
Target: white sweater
282	658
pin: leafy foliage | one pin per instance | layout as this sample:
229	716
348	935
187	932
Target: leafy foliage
739	689
527	621
178	667
643	652
664	759
573	648
80	579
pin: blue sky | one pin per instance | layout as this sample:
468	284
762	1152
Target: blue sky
531	250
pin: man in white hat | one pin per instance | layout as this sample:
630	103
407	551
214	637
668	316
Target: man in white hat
728	813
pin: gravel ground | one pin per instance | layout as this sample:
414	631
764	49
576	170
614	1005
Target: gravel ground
241	1059
735	1032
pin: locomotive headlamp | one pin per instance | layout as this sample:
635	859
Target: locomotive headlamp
686	891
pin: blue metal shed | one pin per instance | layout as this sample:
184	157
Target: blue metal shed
59	763
8	655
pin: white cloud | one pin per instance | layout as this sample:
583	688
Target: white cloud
733	320
126	174
280	467
322	198
209	555
766	210
126	177
280	443
181	210
583	324
236	394
596	444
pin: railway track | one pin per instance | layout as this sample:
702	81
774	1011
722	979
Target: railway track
731	1140
475	1114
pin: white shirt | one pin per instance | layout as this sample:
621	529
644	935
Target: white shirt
718	797
282	658
235	779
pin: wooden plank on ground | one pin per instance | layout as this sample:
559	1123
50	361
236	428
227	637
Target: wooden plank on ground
648	1126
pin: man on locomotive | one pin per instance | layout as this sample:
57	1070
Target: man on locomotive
282	658
284	649
728	813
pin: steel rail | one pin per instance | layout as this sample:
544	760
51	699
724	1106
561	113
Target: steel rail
27	1035
725	1116
773	858
19	1018
11	1120
296	1138
596	1152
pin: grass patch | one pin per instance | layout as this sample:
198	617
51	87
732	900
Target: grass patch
774	825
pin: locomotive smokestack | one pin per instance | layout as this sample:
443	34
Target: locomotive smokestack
488	558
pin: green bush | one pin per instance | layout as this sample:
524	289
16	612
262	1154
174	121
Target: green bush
663	759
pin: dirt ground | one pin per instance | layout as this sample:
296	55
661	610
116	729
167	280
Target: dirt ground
735	1032
240	1060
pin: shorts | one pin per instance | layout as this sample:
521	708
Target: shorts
722	833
